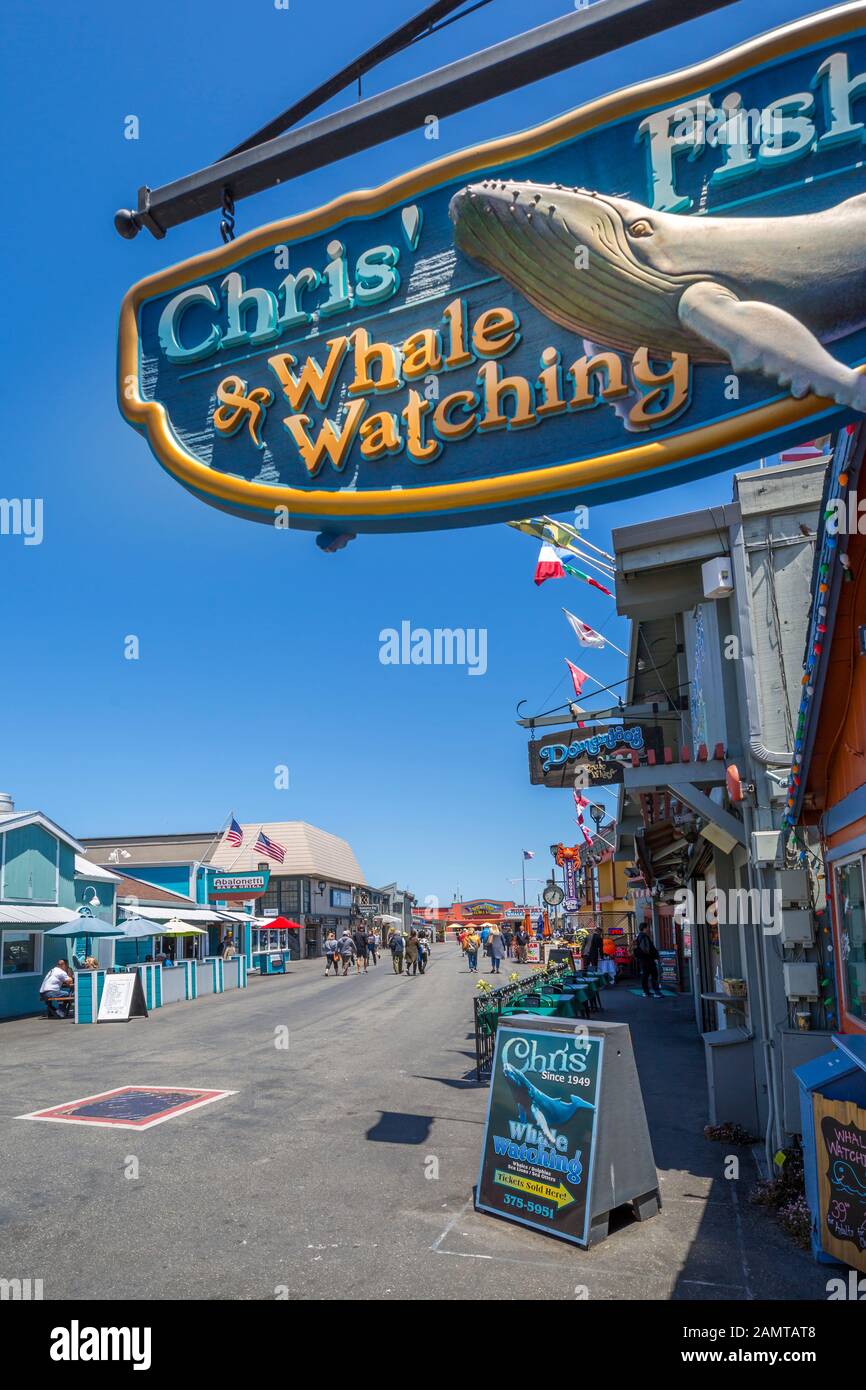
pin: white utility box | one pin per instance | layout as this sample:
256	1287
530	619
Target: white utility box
717	577
764	846
794	887
801	979
798	928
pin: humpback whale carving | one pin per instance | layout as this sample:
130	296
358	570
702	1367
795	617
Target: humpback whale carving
762	293
546	1110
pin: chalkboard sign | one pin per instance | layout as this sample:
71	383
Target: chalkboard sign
122	999
840	1132
536	1160
558	954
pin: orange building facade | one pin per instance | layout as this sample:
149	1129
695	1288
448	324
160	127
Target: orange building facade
828	784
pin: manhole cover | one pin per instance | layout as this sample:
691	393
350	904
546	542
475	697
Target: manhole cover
129	1107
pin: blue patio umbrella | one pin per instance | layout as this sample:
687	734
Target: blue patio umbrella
81	925
138	929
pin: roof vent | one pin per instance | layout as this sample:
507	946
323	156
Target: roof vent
7	805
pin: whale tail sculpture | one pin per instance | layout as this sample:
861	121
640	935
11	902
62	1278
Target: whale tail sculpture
741	290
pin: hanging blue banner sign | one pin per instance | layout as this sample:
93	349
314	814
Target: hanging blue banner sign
659	285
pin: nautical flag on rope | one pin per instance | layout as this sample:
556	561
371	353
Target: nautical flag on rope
586	635
804	452
585	833
529	854
587	578
579	677
580	802
234	834
269	847
548	565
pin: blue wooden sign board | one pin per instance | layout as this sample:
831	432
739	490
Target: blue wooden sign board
662	284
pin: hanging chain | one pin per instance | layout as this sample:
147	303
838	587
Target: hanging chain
227	221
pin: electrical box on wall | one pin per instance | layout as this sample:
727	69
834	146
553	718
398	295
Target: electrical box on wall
764	846
794	887
798	928
801	979
717	577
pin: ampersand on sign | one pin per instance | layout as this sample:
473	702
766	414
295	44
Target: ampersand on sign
235	406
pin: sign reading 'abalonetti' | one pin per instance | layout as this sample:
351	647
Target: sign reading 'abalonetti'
536	1163
653	287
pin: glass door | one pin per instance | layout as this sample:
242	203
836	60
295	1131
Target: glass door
851	924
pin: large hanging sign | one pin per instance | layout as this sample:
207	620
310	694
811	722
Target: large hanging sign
661	284
556	758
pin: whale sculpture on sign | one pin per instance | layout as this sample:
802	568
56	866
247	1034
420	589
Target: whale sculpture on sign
742	290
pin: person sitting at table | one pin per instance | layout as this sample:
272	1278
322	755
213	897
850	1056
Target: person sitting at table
56	989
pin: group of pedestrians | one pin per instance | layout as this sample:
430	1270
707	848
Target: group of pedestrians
496	942
360	947
413	951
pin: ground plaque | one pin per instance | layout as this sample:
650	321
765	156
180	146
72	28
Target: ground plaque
129	1107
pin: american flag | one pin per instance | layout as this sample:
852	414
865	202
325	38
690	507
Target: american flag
235	835
269	847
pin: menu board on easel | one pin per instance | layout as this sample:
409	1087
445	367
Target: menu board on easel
840	1136
122	999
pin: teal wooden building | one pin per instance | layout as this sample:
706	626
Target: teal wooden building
45	880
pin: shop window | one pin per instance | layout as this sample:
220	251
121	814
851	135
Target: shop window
851	922
290	900
269	902
20	953
341	897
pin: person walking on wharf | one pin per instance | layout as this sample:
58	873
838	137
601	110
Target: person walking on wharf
373	945
496	948
398	950
646	954
472	945
423	951
521	941
346	947
359	940
332	954
412	953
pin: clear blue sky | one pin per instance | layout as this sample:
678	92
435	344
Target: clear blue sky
256	648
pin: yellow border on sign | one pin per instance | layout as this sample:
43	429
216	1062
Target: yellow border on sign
483	492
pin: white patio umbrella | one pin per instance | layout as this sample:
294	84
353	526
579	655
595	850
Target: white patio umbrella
389	919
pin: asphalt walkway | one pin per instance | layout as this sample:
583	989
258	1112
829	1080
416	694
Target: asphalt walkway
345	1162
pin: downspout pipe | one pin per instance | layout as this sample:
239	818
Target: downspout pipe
742	591
765	755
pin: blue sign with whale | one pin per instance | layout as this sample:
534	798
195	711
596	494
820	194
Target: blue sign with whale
662	284
539	1136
